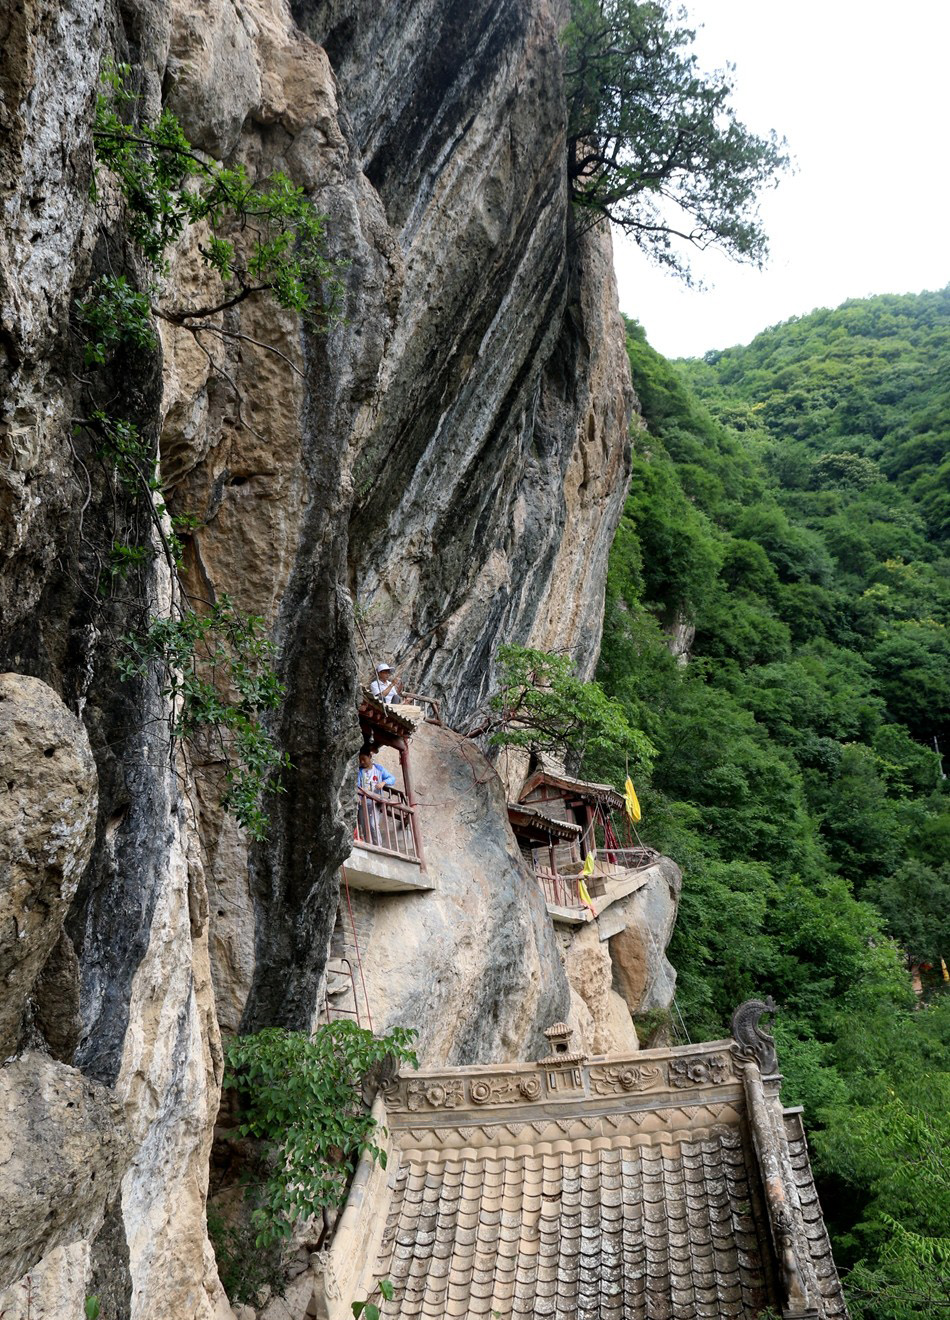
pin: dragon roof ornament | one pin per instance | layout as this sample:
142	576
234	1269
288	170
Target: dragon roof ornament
751	1040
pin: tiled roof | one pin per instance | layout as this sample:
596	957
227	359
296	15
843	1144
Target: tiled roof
829	1285
648	1187
607	1230
382	716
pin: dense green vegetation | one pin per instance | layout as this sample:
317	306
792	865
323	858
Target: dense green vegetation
791	501
301	1102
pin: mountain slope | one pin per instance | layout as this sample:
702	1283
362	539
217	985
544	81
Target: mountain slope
794	779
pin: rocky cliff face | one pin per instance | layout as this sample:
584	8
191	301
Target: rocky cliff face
451	457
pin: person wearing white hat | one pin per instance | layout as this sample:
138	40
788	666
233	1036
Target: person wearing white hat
384	687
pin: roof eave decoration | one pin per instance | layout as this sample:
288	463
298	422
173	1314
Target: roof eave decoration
634	1081
525	816
384	717
603	793
751	1040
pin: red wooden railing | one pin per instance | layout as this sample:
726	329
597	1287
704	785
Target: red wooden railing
386	823
559	890
562	890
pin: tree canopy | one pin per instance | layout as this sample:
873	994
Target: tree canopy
654	143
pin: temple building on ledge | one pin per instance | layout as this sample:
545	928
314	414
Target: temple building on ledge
559	823
665	1185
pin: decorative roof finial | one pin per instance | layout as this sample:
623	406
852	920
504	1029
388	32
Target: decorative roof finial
559	1038
753	1041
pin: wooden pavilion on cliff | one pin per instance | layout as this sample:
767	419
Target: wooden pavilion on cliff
387	854
576	801
540	837
591	812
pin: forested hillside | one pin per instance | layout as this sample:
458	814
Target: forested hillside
790	502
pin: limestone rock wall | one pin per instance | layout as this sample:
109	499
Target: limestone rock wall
504	391
642	973
616	965
451	456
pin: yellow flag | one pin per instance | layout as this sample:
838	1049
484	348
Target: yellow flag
585	897
633	806
588	864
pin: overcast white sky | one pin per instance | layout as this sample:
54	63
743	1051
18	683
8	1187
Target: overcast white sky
860	90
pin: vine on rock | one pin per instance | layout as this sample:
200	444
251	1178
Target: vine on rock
215	664
202	656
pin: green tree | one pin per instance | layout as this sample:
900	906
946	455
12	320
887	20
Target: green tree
915	902
542	705
302	1097
893	1149
912	662
793	779
845	469
653	144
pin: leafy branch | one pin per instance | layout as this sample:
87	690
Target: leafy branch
541	705
201	657
266	239
302	1096
279	242
368	1308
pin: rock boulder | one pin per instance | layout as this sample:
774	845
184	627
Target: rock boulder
642	973
63	1150
474	963
47	824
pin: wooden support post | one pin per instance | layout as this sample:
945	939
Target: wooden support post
410	798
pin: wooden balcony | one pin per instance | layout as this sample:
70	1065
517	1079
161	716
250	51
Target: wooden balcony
386	854
617	873
562	895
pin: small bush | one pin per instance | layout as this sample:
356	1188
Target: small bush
248	1273
302	1096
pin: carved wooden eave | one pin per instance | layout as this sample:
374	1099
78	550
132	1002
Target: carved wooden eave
535	827
388	727
595	794
665	1182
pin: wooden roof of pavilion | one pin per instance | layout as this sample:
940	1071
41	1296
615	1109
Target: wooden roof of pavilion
383	718
532	824
602	794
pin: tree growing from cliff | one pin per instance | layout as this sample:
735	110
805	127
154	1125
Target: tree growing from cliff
542	706
653	143
301	1098
214	664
